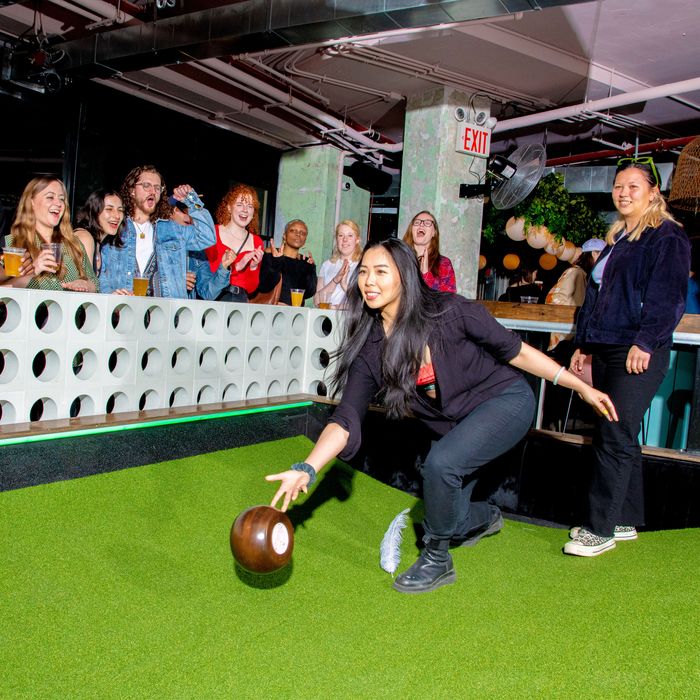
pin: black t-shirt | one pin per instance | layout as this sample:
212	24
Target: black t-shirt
296	273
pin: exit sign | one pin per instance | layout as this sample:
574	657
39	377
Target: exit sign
473	140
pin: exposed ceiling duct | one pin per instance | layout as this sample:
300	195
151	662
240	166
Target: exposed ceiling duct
260	24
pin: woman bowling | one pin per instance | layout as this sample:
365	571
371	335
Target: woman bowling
446	361
635	297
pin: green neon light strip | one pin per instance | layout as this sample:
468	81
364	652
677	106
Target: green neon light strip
147	424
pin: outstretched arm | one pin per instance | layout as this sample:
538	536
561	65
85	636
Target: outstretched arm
537	363
329	445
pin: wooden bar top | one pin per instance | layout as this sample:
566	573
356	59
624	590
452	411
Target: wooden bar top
555	313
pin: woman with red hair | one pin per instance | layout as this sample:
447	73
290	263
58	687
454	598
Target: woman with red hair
233	269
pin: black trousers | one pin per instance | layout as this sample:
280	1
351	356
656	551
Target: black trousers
616	495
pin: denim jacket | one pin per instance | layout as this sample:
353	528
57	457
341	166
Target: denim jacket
209	284
171	243
642	295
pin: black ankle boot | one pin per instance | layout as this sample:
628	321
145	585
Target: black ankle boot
434	568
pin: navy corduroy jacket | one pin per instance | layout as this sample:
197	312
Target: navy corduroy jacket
642	295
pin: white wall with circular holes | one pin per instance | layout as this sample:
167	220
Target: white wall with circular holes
64	354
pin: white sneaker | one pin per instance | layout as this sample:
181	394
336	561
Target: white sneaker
622	532
588	544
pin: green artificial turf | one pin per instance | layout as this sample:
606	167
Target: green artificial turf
123	585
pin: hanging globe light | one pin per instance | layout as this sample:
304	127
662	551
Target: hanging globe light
511	261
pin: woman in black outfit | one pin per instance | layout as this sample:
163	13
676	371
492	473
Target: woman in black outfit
635	297
446	361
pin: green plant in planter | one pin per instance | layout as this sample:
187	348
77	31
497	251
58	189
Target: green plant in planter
551	205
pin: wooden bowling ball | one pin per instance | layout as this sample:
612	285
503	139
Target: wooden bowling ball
262	539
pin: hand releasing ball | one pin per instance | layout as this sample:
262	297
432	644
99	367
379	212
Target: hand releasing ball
262	539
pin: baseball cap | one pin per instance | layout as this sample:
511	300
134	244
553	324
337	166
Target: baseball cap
593	244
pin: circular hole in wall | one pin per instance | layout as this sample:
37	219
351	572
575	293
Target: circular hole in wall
48	316
82	405
320	358
208	360
254	391
152	362
8	413
255	358
183	320
84	363
279	323
277	358
206	394
318	388
9	366
257	323
118	362
45	365
149	399
210	321
43	409
233	360
296	357
181	361
87	317
298	325
293	387
234	323
154	320
123	319
323	326
275	389
118	402
178	397
231	392
10	315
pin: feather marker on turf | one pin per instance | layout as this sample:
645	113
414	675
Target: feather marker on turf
390	548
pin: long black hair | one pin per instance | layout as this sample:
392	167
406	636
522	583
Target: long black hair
419	308
88	214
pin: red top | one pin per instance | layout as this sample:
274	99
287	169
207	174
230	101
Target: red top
444	281
247	279
426	375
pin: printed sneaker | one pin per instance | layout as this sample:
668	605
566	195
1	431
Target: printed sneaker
588	544
622	532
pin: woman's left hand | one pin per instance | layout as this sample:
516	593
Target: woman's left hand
190	280
637	360
79	286
292	483
601	403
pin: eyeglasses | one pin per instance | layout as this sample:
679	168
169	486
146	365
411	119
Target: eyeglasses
149	186
645	160
428	223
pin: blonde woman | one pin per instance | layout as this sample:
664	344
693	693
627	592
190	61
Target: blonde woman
635	297
335	274
43	218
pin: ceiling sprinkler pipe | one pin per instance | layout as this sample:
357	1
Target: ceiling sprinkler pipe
278	95
663	145
622	100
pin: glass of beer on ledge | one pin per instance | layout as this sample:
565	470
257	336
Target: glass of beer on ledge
140	286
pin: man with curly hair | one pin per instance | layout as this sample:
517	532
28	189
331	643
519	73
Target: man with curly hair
155	247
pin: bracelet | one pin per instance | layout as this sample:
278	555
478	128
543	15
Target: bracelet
557	375
304	467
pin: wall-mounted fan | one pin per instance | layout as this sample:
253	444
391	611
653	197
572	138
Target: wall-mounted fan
511	179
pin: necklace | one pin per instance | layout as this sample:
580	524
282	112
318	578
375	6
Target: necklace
141	231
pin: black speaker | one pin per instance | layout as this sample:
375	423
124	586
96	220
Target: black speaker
369	178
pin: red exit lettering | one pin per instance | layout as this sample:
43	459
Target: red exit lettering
475	140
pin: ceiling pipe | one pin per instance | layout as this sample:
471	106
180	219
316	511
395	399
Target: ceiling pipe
622	100
662	145
277	95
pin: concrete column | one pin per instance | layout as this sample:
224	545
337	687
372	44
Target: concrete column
431	173
313	188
